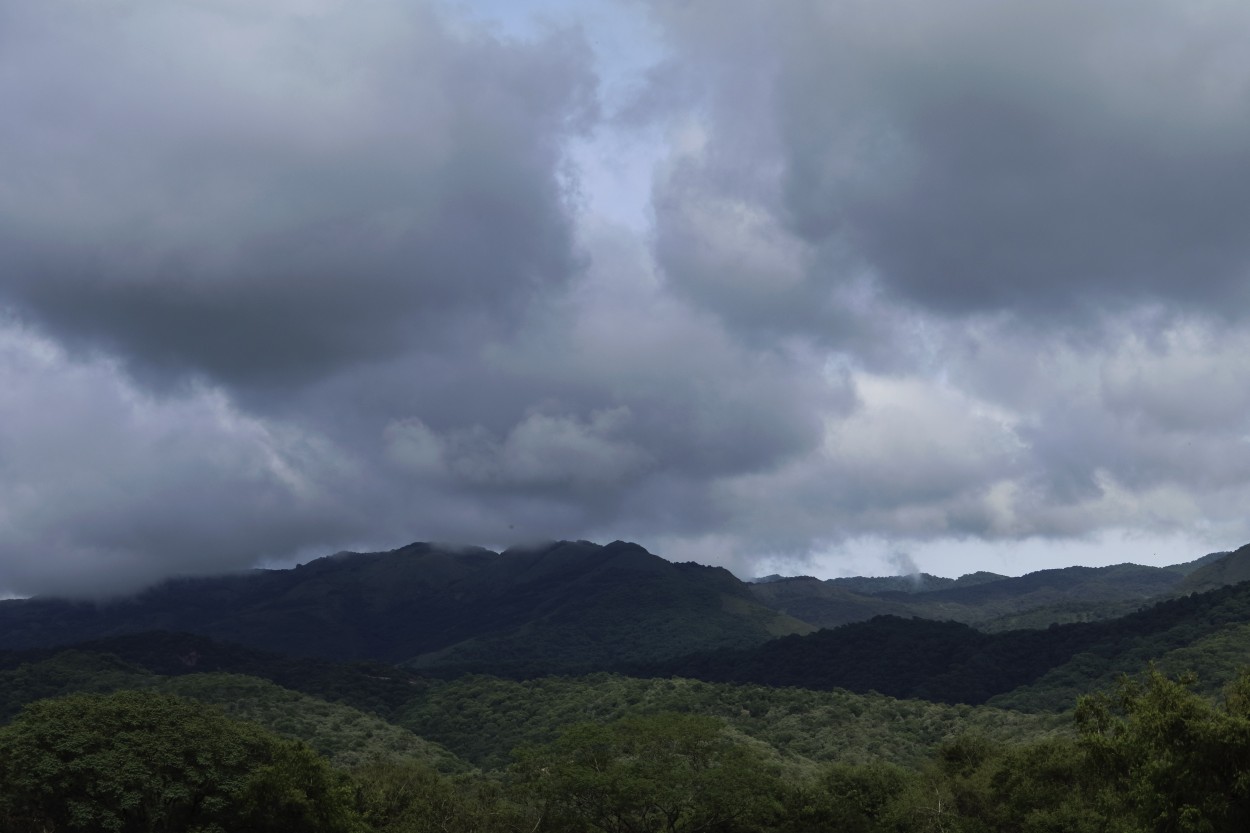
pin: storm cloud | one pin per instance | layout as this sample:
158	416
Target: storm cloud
264	195
287	279
965	156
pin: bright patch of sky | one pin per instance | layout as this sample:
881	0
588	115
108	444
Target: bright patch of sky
952	558
614	164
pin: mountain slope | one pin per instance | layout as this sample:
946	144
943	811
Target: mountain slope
915	583
1229	568
1045	597
482	719
560	606
825	604
953	663
347	736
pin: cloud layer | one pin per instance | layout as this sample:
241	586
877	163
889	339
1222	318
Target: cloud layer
288	279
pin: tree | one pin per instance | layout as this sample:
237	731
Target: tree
847	798
1180	763
669	772
136	762
410	797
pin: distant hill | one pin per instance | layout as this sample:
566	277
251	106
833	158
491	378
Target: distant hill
1190	566
824	604
346	735
371	687
951	662
575	607
1218	570
1037	599
564	605
914	583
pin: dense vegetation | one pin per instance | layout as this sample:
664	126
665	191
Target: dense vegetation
482	719
563	607
135	761
344	735
954	663
1151	756
952	728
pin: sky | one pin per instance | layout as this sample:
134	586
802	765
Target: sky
829	288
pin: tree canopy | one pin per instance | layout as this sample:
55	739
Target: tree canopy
136	762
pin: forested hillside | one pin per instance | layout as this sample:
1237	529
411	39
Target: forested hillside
893	724
954	663
564	606
600	752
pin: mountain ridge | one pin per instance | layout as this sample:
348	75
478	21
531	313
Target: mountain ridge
425	600
570	606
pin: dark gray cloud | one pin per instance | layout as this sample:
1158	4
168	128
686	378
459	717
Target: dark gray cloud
615	409
964	157
284	280
215	210
103	487
264	197
1019	228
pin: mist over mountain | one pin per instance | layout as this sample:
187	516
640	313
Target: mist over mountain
576	606
559	605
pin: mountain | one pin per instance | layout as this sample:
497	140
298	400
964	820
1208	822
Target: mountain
1188	567
564	605
984	599
824	604
914	583
951	662
575	607
984	739
1218	570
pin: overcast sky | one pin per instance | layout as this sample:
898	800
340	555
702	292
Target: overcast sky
825	287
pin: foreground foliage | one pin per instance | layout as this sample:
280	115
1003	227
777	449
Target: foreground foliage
1180	762
668	772
140	761
346	736
1153	756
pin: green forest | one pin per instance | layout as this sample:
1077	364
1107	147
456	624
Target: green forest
95	743
602	689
